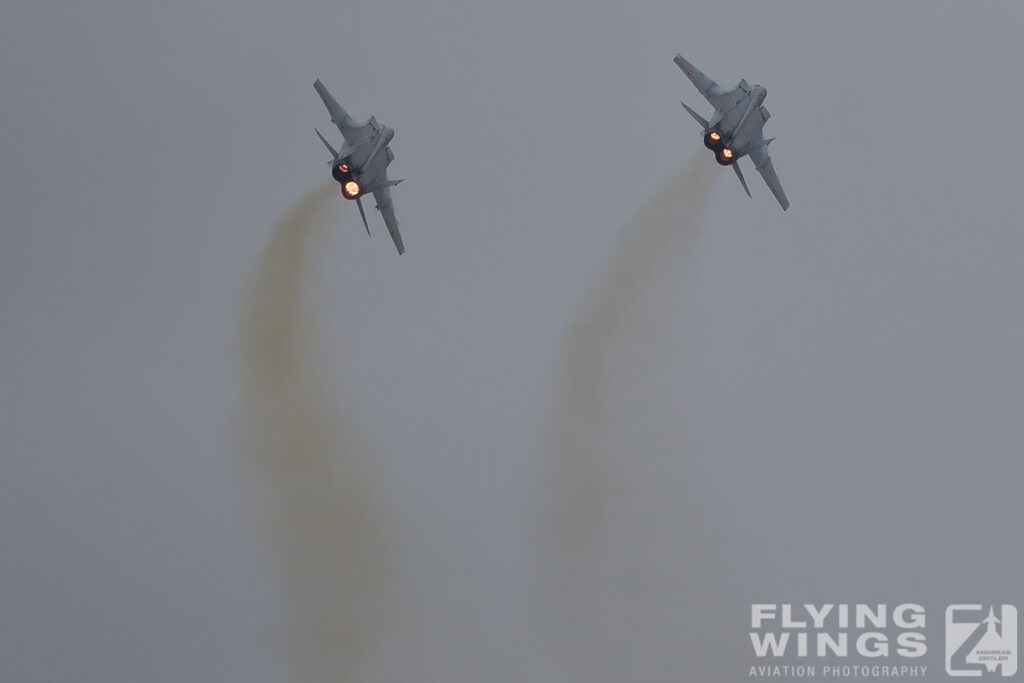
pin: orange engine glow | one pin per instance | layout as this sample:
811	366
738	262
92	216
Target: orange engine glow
343	168
350	189
714	136
727	153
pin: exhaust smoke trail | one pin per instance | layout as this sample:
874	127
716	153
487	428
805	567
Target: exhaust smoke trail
665	224
308	465
627	579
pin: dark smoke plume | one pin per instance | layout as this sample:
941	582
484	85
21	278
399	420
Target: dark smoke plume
319	511
628	573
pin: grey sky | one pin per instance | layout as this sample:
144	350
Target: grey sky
852	372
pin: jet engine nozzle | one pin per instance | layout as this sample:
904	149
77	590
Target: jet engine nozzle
341	171
725	156
713	140
350	189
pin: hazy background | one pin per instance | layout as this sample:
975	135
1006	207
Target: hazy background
842	383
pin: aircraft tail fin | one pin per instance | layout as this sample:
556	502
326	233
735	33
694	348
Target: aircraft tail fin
380	143
359	203
739	174
334	153
697	117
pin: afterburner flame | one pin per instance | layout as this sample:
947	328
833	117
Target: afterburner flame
714	136
351	189
726	153
343	168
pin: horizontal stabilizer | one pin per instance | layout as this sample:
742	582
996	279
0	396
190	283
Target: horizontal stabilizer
380	186
697	117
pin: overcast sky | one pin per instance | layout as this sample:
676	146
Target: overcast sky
848	374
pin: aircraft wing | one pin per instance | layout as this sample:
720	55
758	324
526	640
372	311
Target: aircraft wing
718	96
387	212
350	129
763	164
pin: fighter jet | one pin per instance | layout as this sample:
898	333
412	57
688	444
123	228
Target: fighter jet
735	129
360	166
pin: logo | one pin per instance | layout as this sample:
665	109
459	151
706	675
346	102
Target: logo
981	640
838	640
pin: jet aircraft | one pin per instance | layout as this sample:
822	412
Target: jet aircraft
360	166
736	128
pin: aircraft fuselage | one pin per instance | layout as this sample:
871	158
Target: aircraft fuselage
733	132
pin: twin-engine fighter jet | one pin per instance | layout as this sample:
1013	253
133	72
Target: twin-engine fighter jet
735	129
360	166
